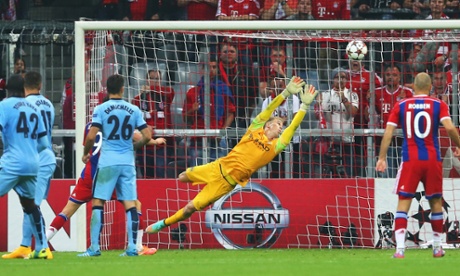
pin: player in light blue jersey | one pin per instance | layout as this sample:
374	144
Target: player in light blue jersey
24	136
116	119
47	159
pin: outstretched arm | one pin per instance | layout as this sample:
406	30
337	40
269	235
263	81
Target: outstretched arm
294	87
307	98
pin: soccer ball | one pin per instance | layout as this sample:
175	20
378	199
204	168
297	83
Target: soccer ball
356	49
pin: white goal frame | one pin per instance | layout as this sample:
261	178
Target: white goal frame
82	26
315	25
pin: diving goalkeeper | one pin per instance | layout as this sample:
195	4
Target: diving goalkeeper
263	140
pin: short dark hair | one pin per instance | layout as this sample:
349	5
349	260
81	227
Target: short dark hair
114	84
32	80
15	86
153	70
391	66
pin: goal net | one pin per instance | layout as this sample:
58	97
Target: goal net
199	85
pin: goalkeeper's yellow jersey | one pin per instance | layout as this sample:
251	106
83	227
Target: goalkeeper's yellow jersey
254	150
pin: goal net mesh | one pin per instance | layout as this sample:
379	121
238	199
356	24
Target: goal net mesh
201	89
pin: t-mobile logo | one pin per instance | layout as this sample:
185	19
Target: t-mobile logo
321	11
386	108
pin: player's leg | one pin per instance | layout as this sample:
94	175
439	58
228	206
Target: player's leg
406	185
104	184
142	249
58	222
216	187
401	225
41	192
433	192
132	226
82	193
437	220
26	192
8	182
127	193
189	209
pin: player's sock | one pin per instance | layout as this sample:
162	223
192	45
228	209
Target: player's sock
400	230
26	232
140	232
436	225
132	224
97	220
57	223
178	216
38	227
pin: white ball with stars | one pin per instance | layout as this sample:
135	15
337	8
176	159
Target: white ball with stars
356	50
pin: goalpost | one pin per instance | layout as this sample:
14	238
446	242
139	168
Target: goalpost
182	50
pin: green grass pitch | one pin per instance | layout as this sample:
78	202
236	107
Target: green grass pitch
265	262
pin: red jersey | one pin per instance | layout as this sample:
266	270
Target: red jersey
330	9
138	9
221	102
419	118
360	83
449	77
385	100
156	106
234	8
201	11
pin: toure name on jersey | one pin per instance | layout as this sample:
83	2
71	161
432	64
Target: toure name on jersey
118	106
20	104
44	102
259	143
419	106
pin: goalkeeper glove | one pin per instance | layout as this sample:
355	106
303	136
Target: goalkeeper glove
295	86
307	95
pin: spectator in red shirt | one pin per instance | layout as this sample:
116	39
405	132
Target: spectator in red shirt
385	98
441	89
241	81
222	113
199	9
360	83
278	9
277	67
240	10
155	101
331	9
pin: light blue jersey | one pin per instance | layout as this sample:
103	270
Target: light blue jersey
117	120
22	133
46	114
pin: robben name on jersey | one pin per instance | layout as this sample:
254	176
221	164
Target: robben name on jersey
420	118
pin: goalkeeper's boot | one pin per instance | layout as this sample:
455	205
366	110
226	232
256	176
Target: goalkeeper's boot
438	252
156	227
399	254
147	251
22	252
45	253
90	253
129	253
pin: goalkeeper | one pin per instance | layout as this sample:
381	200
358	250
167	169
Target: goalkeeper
263	140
